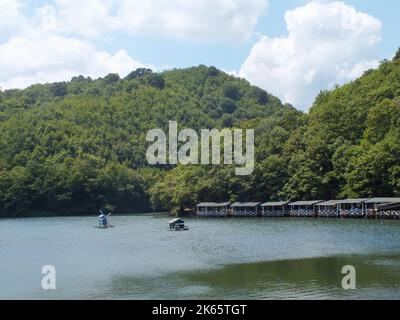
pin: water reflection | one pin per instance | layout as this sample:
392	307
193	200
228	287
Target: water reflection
315	278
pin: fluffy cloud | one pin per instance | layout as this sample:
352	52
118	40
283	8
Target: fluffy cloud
24	61
56	40
194	20
89	18
9	11
42	47
327	44
10	16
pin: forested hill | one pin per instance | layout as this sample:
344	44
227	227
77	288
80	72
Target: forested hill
75	147
351	144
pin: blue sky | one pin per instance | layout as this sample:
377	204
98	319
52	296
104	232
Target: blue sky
292	49
230	56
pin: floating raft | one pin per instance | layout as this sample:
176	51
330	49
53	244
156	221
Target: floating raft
177	224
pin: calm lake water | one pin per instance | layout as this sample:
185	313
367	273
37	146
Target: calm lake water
255	258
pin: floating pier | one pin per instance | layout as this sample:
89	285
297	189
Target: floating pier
352	208
364	208
245	209
212	209
328	209
384	208
275	209
304	208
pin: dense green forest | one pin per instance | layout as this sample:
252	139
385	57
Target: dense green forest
74	147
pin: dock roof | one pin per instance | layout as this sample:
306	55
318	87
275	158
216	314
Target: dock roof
351	201
388	206
213	204
176	220
382	200
305	203
274	204
245	204
328	203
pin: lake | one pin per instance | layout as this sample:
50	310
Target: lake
254	258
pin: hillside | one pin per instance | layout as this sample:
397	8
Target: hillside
78	146
75	147
351	145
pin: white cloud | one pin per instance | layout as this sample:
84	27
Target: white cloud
200	20
56	40
9	11
328	43
11	18
88	18
195	20
42	47
45	19
24	61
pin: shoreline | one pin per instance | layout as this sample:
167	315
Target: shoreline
48	215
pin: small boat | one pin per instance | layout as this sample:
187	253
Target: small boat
177	225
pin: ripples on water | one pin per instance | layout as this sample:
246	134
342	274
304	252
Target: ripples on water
222	258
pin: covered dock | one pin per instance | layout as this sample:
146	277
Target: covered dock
212	209
368	208
388	211
304	208
274	209
245	209
328	209
352	208
384	208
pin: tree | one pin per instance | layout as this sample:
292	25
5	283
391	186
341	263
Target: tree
260	95
231	91
58	89
111	78
212	72
138	73
227	105
156	81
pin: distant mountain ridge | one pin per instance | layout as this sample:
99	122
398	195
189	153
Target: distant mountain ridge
74	147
